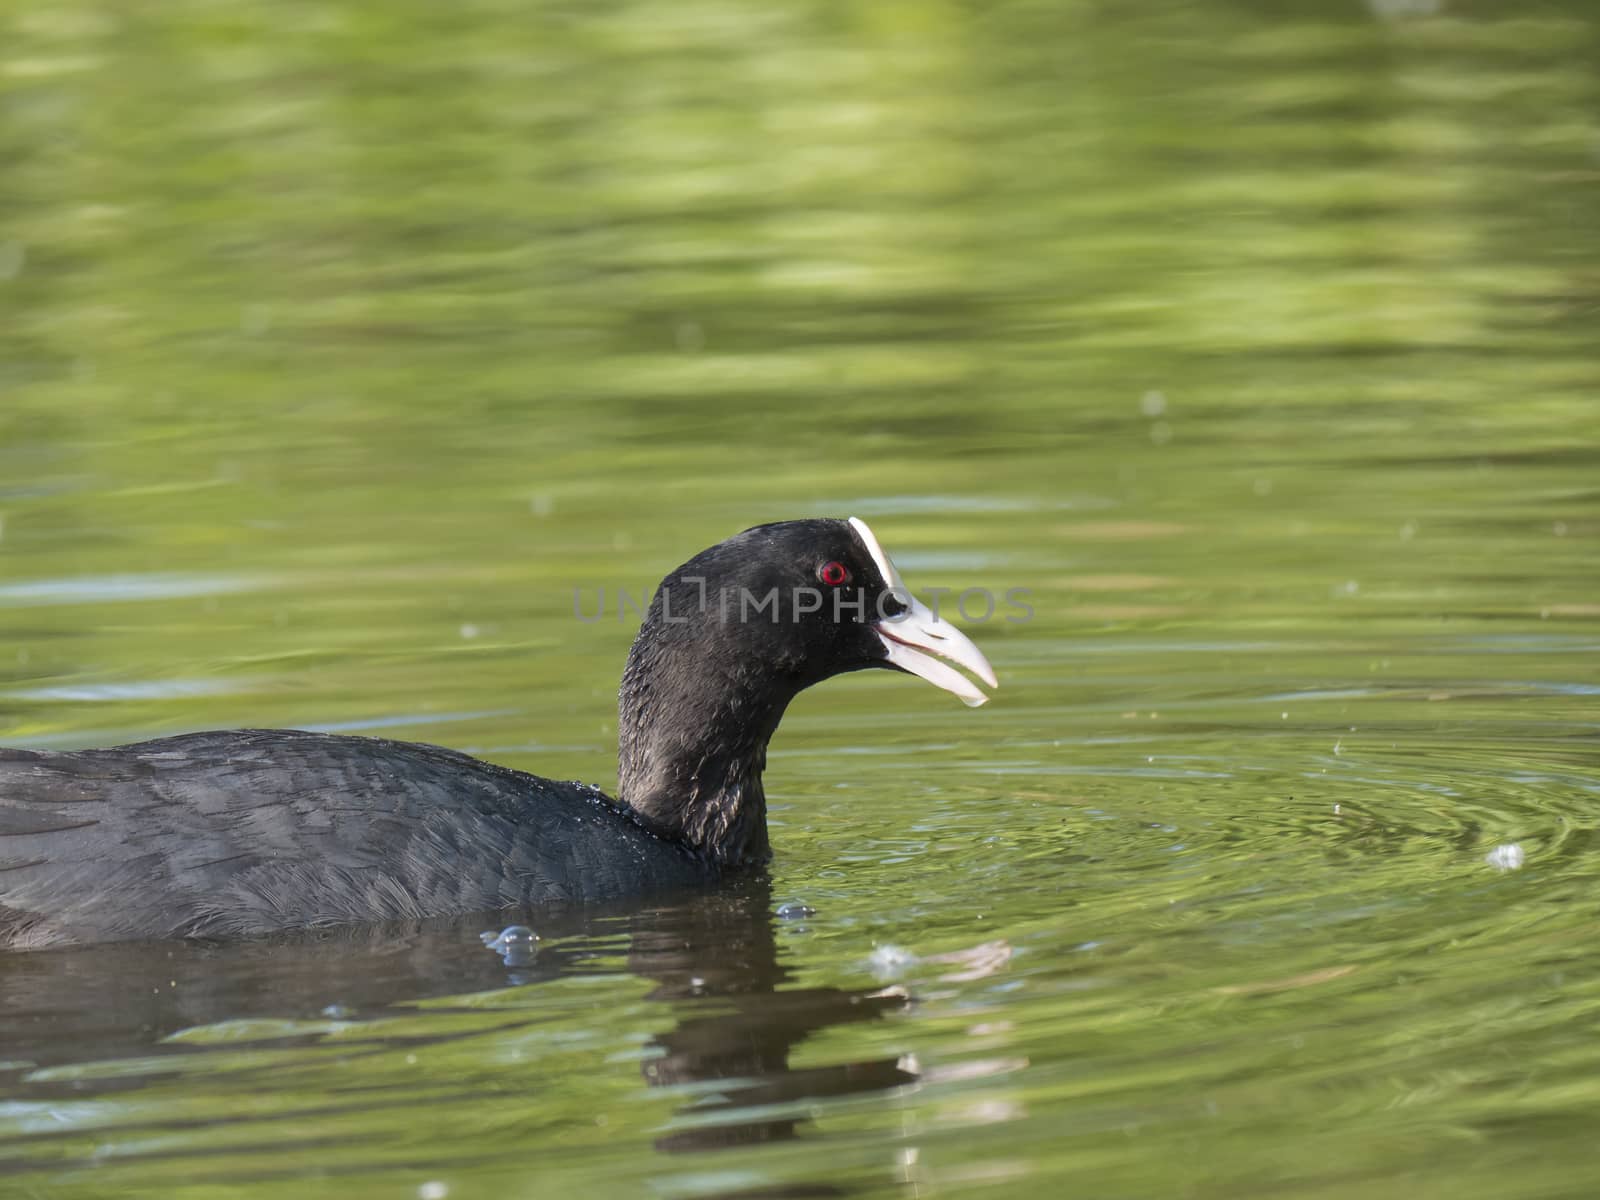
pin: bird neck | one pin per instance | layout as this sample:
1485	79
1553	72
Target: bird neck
692	743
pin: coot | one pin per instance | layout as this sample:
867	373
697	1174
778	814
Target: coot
247	832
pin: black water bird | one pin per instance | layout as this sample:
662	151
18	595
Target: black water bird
247	832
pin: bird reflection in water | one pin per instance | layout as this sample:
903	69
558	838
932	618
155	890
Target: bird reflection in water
716	962
729	1023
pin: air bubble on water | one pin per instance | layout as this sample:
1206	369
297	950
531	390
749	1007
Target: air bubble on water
434	1189
542	505
1400	10
1507	857
888	962
795	911
13	256
1161	433
1153	404
470	631
511	935
255	319
1408	531
689	336
516	944
1560	528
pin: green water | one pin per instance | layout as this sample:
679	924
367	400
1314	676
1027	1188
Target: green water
339	344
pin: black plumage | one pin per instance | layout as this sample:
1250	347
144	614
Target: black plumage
245	832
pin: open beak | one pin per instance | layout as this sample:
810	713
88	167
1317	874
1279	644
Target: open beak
913	639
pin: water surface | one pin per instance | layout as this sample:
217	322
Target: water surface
340	344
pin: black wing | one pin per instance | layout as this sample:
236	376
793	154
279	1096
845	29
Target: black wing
251	831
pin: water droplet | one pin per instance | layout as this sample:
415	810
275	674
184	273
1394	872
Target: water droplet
255	319
1508	857
13	256
516	944
1400	10
511	935
889	961
795	911
689	336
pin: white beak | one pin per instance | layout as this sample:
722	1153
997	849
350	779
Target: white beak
912	637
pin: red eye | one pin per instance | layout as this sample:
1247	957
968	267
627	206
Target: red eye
833	573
